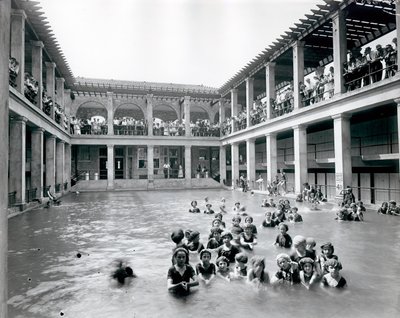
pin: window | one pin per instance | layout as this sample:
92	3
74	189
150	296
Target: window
173	152
119	152
84	153
103	152
156	152
156	163
142	157
202	154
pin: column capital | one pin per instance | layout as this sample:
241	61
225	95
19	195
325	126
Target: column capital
249	79
38	130
150	146
234	90
18	12
187	98
60	79
110	146
188	146
271	134
270	64
52	137
38	44
298	44
250	140
50	64
60	141
299	127
397	101
341	116
20	119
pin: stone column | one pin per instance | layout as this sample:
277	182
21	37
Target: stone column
37	69
51	161
18	18
18	158
186	105
60	163
188	164
67	166
110	118
249	98
397	3
300	157
270	91
150	166
339	49
60	101
149	100
221	106
235	163
51	84
272	156
110	167
222	164
397	101
37	161
298	72
126	165
5	21
234	106
251	161
342	137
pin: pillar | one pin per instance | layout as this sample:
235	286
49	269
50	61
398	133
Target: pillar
235	162
188	164
51	161
149	100
60	101
342	138
60	163
126	164
298	71
18	18
37	69
300	157
37	161
249	99
234	106
270	86
339	49
150	166
397	3
222	165
51	84
18	158
186	105
67	166
110	167
110	118
397	101
251	161
5	13
221	110
272	156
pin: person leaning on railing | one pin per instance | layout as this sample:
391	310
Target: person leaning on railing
47	103
391	61
31	88
13	70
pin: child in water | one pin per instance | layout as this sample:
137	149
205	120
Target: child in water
208	209
227	249
308	276
123	273
236	229
181	276
310	245
205	270
240	270
194	208
247	238
333	277
194	244
215	239
288	272
294	216
327	254
257	274
384	208
249	220
299	249
283	239
223	270
268	222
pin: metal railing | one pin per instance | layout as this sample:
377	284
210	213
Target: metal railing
12	198
130	130
30	195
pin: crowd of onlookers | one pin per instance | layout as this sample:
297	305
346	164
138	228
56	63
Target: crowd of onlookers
94	126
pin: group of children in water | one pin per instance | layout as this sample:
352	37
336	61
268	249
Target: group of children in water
389	208
233	249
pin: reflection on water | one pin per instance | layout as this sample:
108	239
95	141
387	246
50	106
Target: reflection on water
47	279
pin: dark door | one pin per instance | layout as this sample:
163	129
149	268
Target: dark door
103	168
119	168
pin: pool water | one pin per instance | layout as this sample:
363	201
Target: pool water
48	279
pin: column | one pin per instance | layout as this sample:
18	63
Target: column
18	158
188	164
272	156
298	72
60	163
51	84
67	166
270	86
300	157
251	161
37	161
51	161
186	105
149	100
342	138
5	13
37	69
234	106
339	49
59	97
397	101
222	165
110	117
110	167
397	4
221	106
150	166
249	99
18	18
235	163
126	165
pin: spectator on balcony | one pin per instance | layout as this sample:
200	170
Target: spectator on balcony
329	84
13	69
31	87
47	103
376	63
391	61
76	126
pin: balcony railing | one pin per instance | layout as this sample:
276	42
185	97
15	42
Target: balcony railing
12	198
30	195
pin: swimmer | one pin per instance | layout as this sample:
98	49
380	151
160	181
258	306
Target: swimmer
333	277
208	209
227	249
181	276
223	270
327	254
194	208
194	244
268	222
308	276
247	238
283	239
249	220
257	274
240	270
288	272
123	273
205	269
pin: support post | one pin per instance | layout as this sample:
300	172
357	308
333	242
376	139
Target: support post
37	136
249	99
149	101
272	155
234	107
37	69
18	18
51	84
298	72
300	157
270	86
60	163
251	161
186	105
235	163
222	164
110	116
188	165
339	49
51	161
110	167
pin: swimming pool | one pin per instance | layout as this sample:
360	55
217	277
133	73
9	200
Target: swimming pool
47	279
